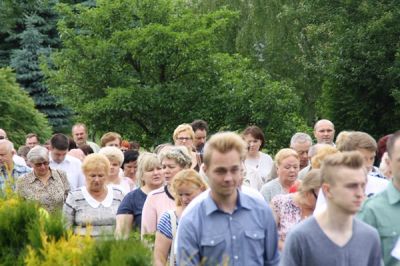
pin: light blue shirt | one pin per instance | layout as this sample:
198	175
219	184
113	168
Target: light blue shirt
210	236
17	171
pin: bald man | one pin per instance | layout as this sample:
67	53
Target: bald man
324	132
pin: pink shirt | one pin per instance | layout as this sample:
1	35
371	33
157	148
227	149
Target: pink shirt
158	201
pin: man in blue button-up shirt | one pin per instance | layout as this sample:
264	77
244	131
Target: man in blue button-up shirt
228	227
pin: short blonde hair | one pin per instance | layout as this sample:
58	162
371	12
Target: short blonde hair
187	176
350	159
341	138
110	136
146	162
285	153
113	154
95	161
311	181
322	153
224	142
183	128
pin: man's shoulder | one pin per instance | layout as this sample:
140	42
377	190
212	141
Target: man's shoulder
365	229
73	160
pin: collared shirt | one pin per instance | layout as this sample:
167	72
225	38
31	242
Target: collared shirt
72	167
210	236
51	196
16	172
382	211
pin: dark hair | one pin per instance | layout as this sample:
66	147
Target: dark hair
390	143
199	124
59	141
86	149
72	144
130	156
382	144
256	132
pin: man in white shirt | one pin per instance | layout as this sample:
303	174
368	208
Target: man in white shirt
60	160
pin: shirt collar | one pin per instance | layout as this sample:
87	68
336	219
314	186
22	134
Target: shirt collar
107	202
242	202
32	177
393	193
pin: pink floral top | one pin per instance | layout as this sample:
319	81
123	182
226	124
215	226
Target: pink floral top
287	212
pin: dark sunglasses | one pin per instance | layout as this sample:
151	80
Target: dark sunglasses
40	164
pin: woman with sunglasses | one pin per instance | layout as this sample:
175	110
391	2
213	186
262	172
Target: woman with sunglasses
290	209
47	186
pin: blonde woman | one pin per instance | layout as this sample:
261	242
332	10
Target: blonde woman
290	209
287	167
186	185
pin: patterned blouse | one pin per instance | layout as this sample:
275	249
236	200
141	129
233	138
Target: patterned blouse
50	196
287	213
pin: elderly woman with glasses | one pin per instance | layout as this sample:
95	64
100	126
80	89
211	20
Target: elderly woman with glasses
290	209
47	186
160	200
184	136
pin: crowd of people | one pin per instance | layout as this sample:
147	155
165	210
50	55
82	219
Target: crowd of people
222	200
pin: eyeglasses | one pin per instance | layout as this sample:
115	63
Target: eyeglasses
183	139
40	164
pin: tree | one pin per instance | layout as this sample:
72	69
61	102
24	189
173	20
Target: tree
25	61
143	67
18	115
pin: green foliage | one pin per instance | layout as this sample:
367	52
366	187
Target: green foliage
18	115
143	67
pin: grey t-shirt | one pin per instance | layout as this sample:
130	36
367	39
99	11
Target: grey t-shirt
307	245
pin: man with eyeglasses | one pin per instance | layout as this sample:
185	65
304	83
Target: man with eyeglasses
9	170
227	227
334	236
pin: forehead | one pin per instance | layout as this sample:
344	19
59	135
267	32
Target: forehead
303	146
33	138
289	160
345	175
78	130
183	133
224	160
200	132
322	126
5	148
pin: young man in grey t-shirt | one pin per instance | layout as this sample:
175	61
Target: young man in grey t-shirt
334	236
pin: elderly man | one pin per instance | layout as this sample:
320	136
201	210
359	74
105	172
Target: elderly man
59	159
324	131
17	159
31	140
9	170
228	227
383	210
301	143
80	135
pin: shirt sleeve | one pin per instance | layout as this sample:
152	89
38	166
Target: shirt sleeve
69	210
188	248
127	206
149	217
291	251
164	225
271	256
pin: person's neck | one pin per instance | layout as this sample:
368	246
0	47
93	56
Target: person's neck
179	210
335	220
286	184
99	195
254	155
114	179
147	188
226	204
43	178
396	183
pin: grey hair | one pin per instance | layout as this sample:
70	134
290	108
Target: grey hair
113	153
178	153
38	154
300	137
10	145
